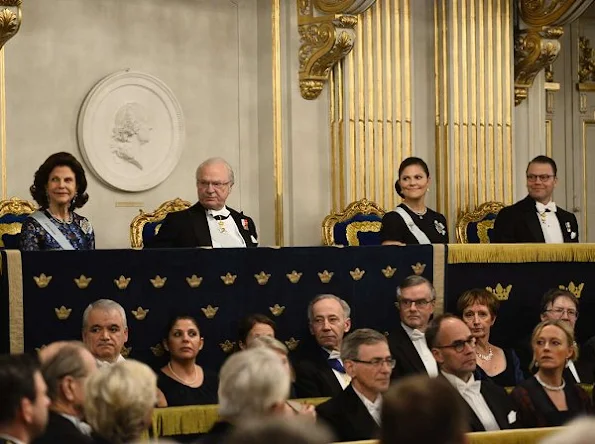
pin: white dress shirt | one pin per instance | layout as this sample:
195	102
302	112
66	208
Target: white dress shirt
418	339
82	426
227	234
550	226
11	439
471	393
343	378
574	371
101	364
374	408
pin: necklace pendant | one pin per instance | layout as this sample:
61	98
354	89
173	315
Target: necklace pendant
221	226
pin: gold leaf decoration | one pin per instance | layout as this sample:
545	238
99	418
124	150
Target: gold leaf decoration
63	313
227	346
122	282
357	274
326	276
158	281
500	291
262	278
158	350
140	313
576	290
294	277
125	352
9	25
418	268
194	281
42	280
389	272
229	278
210	311
292	343
277	310
82	282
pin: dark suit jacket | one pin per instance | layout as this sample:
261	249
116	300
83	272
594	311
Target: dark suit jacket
348	417
189	228
60	429
314	377
519	223
405	353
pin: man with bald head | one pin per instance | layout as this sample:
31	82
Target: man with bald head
208	223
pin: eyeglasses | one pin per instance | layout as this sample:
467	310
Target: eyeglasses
559	312
421	303
377	362
216	185
541	177
459	345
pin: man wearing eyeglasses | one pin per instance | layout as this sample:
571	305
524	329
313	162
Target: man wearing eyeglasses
453	347
415	301
208	223
354	414
536	218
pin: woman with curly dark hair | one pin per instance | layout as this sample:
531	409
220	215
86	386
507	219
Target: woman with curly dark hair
59	187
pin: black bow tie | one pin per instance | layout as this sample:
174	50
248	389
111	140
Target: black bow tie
219	217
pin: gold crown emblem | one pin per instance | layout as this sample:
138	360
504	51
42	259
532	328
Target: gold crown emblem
158	281
122	282
194	281
63	313
357	274
500	292
82	282
576	290
210	311
277	309
292	343
42	280
158	350
227	346
262	278
229	278
418	268
294	277
325	276
388	272
125	352
140	313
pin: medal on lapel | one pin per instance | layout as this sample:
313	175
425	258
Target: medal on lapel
245	224
221	223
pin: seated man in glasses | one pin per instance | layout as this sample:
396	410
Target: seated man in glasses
536	218
354	414
453	347
208	223
415	301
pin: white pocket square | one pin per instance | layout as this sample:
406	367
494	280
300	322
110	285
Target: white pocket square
253	239
511	417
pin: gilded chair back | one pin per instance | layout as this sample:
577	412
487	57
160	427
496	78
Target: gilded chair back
146	225
476	227
358	224
13	213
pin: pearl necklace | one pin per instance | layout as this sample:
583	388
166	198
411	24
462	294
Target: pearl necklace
65	221
182	380
551	387
487	357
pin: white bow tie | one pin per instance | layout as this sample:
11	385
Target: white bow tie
417	335
472	387
541	208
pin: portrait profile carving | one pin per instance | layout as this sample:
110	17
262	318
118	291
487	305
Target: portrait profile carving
132	130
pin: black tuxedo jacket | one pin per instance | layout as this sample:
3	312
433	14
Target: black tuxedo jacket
314	377
348	417
61	430
189	228
519	223
408	361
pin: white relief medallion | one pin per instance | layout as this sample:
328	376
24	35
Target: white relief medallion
131	131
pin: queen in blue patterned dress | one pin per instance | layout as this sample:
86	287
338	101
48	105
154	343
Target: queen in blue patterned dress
59	187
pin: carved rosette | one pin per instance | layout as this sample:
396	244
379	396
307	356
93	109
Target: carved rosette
10	19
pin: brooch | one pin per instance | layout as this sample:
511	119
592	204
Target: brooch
440	228
86	226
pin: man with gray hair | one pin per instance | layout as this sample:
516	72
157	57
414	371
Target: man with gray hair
105	331
208	223
354	414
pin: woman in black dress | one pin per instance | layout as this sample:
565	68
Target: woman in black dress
182	381
412	222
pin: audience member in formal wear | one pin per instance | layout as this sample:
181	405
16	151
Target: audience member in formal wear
182	381
24	405
59	187
412	222
254	326
65	369
537	218
318	366
354	414
119	401
209	222
105	331
252	384
479	309
547	399
416	297
280	430
419	409
453	346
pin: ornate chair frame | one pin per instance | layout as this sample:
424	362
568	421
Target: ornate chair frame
363	206
478	215
138	223
17	207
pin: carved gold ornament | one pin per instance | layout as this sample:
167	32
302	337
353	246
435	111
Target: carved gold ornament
158	281
194	281
277	310
10	21
586	65
227	346
229	278
122	282
82	282
262	278
418	268
576	290
158	350
292	343
326	276
63	313
210	311
500	291
294	277
357	274
389	272
140	313
125	352
42	280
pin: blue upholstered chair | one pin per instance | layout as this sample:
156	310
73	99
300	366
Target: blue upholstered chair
359	224
476	227
13	213
146	225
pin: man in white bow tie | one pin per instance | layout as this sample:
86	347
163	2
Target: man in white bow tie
209	222
537	218
453	347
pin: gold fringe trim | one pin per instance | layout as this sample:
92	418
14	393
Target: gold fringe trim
14	270
519	253
438	278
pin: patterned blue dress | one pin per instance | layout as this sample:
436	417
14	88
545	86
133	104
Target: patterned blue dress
79	233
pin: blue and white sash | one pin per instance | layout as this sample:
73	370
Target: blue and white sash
415	230
52	230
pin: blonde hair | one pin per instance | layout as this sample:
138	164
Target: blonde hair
270	343
562	325
119	400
